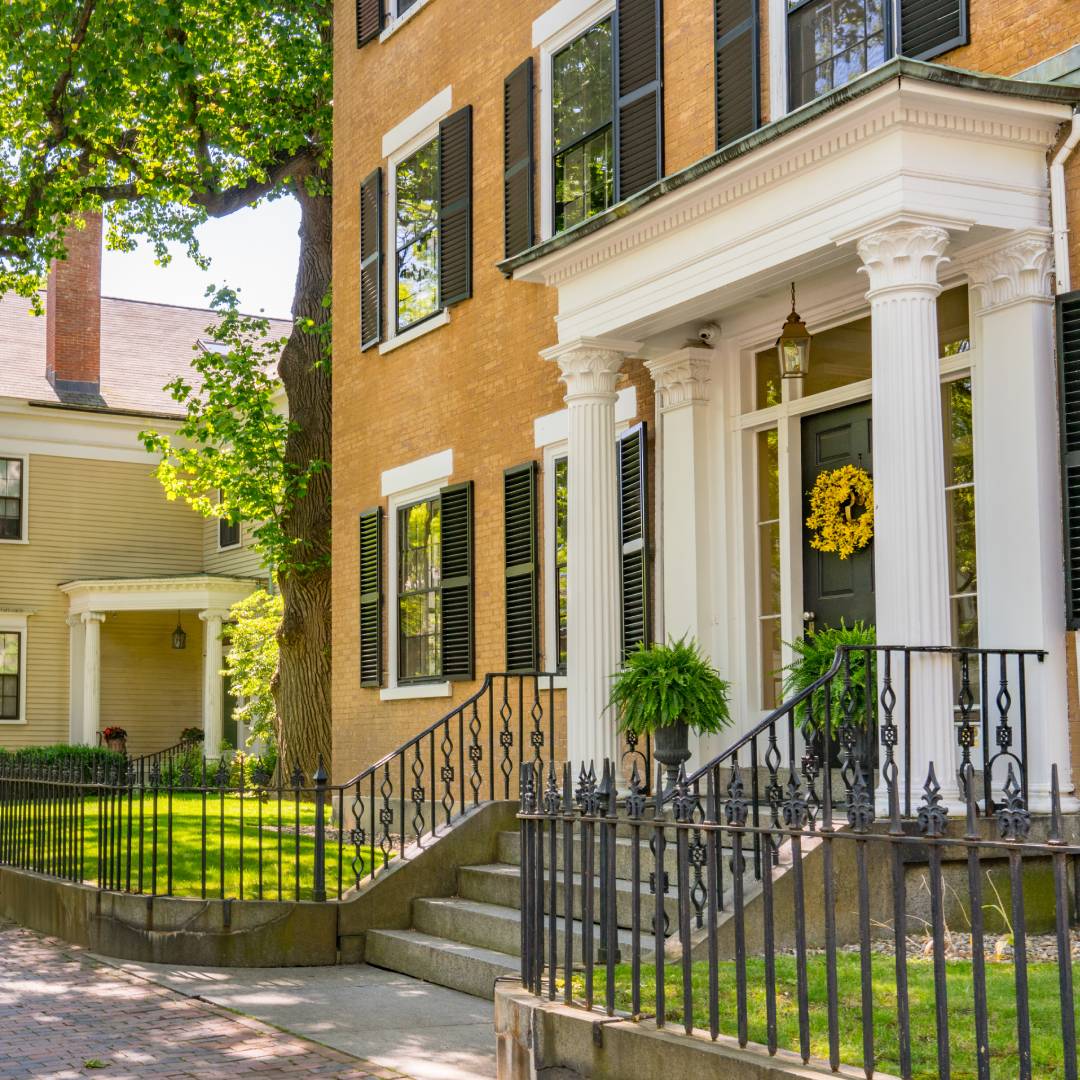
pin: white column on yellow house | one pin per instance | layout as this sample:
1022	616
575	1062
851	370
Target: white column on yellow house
911	557
76	638
213	690
682	381
589	368
91	680
1018	493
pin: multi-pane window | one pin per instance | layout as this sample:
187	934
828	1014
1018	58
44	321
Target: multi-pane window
416	236
831	42
768	545
561	475
960	510
11	498
582	104
10	661
419	600
228	530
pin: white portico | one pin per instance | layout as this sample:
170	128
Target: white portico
912	211
206	598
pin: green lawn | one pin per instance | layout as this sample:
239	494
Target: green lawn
1047	1054
231	826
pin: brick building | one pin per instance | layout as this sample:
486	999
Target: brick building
567	236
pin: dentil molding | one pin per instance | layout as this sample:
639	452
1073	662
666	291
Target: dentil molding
1020	269
682	378
903	257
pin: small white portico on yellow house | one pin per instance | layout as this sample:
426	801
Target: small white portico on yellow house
205	597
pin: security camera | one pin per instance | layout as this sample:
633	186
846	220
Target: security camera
708	333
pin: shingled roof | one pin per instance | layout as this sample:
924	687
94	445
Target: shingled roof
143	347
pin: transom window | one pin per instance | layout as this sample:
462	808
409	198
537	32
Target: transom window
416	231
561	490
10	663
419	599
831	42
582	103
11	498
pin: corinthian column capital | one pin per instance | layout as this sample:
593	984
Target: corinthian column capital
682	378
903	257
590	366
1019	269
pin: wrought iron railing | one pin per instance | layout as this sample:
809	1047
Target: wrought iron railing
165	760
829	968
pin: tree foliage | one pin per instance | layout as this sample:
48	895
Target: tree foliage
252	661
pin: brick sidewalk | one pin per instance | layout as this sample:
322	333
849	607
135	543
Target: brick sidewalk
59	1010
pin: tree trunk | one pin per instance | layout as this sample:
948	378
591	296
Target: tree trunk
302	682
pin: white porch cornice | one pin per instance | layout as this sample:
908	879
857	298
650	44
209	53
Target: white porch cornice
909	149
157	594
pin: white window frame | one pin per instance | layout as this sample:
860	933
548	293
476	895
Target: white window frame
24	524
553	31
15	622
395	21
403	485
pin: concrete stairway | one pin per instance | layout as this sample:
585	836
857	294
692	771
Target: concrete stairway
469	940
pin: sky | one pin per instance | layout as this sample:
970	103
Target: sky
253	251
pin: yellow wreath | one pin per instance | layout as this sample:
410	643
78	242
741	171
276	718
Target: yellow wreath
837	497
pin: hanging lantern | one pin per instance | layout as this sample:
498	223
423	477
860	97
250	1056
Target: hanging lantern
793	345
179	637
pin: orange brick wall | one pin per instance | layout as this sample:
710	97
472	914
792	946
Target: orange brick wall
477	384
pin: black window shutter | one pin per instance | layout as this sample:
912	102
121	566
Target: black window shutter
371	260
518	159
738	79
456	577
455	207
520	523
639	111
634	538
369	20
931	27
1068	331
371	597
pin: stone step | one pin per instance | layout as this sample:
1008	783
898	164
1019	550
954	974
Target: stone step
509	851
493	926
468	968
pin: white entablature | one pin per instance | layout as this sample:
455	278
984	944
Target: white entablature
911	150
201	591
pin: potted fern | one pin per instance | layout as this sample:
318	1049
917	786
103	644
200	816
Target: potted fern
665	691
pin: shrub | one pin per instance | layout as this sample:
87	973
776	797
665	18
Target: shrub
191	735
64	756
814	656
661	685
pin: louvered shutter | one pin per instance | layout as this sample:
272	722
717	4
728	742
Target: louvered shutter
371	597
639	101
369	20
931	27
634	538
1068	328
519	519
456	578
371	260
738	79
455	207
518	159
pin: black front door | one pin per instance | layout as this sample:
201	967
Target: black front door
835	588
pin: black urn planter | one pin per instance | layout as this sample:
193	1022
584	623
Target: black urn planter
671	747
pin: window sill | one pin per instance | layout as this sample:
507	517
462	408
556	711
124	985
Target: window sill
401	20
24	540
13	723
441	319
415	690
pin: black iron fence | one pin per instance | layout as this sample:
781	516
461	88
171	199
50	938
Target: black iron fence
934	947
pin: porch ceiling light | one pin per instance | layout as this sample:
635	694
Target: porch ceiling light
179	637
793	345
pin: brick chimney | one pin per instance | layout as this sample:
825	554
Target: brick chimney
73	314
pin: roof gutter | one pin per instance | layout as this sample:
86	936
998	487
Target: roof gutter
1059	217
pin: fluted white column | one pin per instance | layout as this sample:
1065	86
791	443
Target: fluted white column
91	680
213	692
589	368
911	555
76	637
1018	494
